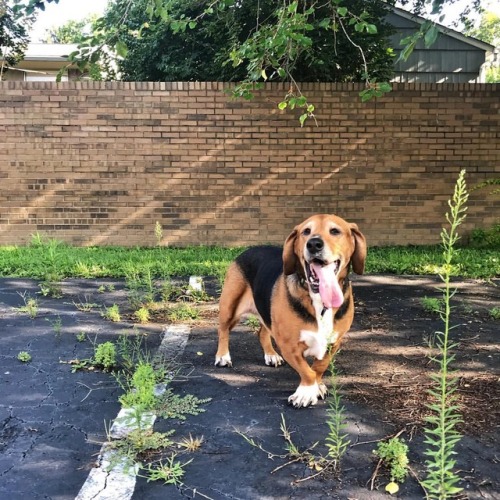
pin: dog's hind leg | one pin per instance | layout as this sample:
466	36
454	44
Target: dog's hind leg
236	299
271	357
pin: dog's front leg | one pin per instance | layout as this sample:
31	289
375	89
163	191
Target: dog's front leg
308	391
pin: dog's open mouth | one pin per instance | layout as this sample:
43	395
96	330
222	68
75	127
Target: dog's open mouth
322	279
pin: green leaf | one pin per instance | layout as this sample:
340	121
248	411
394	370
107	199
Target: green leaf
342	11
282	105
302	119
431	35
121	48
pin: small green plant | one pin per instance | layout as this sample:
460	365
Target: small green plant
50	286
170	472
252	322
81	337
85	305
191	444
56	326
441	435
394	456
170	405
112	313
142	315
183	312
495	313
158	233
105	356
141	393
30	305
432	304
24	357
337	440
140	283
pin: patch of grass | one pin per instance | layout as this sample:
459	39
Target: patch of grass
96	262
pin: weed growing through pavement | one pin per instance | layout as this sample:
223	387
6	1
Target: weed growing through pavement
30	305
441	435
142	315
190	443
112	313
24	357
183	312
81	337
432	305
393	455
171	405
495	313
140	285
170	472
85	305
337	440
252	322
105	356
56	326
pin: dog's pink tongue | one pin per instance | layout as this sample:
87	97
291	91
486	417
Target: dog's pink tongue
329	288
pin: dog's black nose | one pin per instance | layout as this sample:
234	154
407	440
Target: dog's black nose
315	245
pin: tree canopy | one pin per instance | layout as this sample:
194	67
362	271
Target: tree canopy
214	50
14	37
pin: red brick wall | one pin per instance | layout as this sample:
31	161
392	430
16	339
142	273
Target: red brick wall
99	163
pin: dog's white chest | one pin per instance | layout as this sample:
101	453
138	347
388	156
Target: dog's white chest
317	341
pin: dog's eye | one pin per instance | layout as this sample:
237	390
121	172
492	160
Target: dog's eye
334	231
306	232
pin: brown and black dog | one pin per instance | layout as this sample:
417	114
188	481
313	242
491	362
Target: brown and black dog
302	296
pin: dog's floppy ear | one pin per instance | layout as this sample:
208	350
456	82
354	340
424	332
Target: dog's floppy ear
358	258
289	257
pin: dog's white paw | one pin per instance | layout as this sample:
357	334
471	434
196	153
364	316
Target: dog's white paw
305	395
322	391
223	360
273	359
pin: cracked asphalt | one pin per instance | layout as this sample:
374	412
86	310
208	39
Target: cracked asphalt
51	420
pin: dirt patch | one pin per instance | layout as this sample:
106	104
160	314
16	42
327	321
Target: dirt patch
393	327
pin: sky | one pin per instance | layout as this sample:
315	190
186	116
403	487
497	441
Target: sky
65	10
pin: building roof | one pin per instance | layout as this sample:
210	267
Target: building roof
54	52
445	30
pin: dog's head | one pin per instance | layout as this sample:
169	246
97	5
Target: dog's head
320	249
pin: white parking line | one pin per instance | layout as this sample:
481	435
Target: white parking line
114	478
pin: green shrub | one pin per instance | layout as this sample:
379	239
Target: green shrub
486	238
